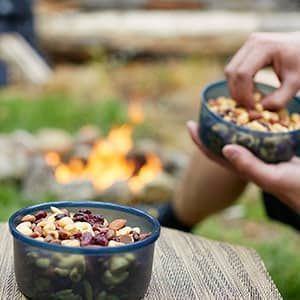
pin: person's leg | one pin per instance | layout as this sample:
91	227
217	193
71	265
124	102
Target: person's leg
205	189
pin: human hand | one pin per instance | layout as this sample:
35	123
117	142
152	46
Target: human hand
282	51
281	180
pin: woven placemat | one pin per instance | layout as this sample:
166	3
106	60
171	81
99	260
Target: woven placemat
185	267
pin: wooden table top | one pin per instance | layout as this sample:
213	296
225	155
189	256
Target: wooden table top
185	267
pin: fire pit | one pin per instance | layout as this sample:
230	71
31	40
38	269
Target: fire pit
90	166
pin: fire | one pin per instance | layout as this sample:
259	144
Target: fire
108	161
135	112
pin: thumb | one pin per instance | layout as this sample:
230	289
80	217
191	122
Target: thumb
281	96
250	166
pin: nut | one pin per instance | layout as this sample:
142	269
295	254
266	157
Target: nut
70	243
28	218
117	224
256	119
24	228
56	210
71	229
64	221
115	244
255	125
124	231
84	227
60	227
136	229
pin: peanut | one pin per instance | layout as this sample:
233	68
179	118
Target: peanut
70	243
64	221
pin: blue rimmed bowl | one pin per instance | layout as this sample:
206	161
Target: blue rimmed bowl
56	272
270	147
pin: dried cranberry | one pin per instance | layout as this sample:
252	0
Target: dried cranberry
80	217
60	216
84	211
100	229
98	219
135	236
90	219
144	235
101	240
40	214
86	239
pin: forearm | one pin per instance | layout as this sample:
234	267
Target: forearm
205	189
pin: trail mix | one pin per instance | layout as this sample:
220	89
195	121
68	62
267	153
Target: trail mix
79	229
256	119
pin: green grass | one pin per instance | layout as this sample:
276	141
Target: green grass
277	245
58	111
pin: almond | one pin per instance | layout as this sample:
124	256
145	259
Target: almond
117	224
126	239
28	218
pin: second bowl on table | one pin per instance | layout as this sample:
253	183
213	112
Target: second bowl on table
52	271
215	132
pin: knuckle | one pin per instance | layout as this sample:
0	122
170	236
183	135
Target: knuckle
242	74
228	71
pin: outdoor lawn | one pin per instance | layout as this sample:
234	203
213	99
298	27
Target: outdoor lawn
98	94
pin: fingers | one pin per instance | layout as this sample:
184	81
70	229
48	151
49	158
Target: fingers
193	131
281	96
240	72
241	77
243	161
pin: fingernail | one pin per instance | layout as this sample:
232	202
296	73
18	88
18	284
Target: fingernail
230	152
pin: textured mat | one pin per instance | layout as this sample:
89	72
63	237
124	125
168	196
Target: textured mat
185	267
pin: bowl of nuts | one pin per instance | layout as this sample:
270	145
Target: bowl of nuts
273	136
83	250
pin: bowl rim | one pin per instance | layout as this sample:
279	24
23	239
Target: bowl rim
212	85
84	250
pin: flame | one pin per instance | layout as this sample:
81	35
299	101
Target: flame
135	112
146	173
107	163
52	159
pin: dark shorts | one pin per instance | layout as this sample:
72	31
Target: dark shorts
281	212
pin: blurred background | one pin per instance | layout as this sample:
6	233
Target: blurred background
95	95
